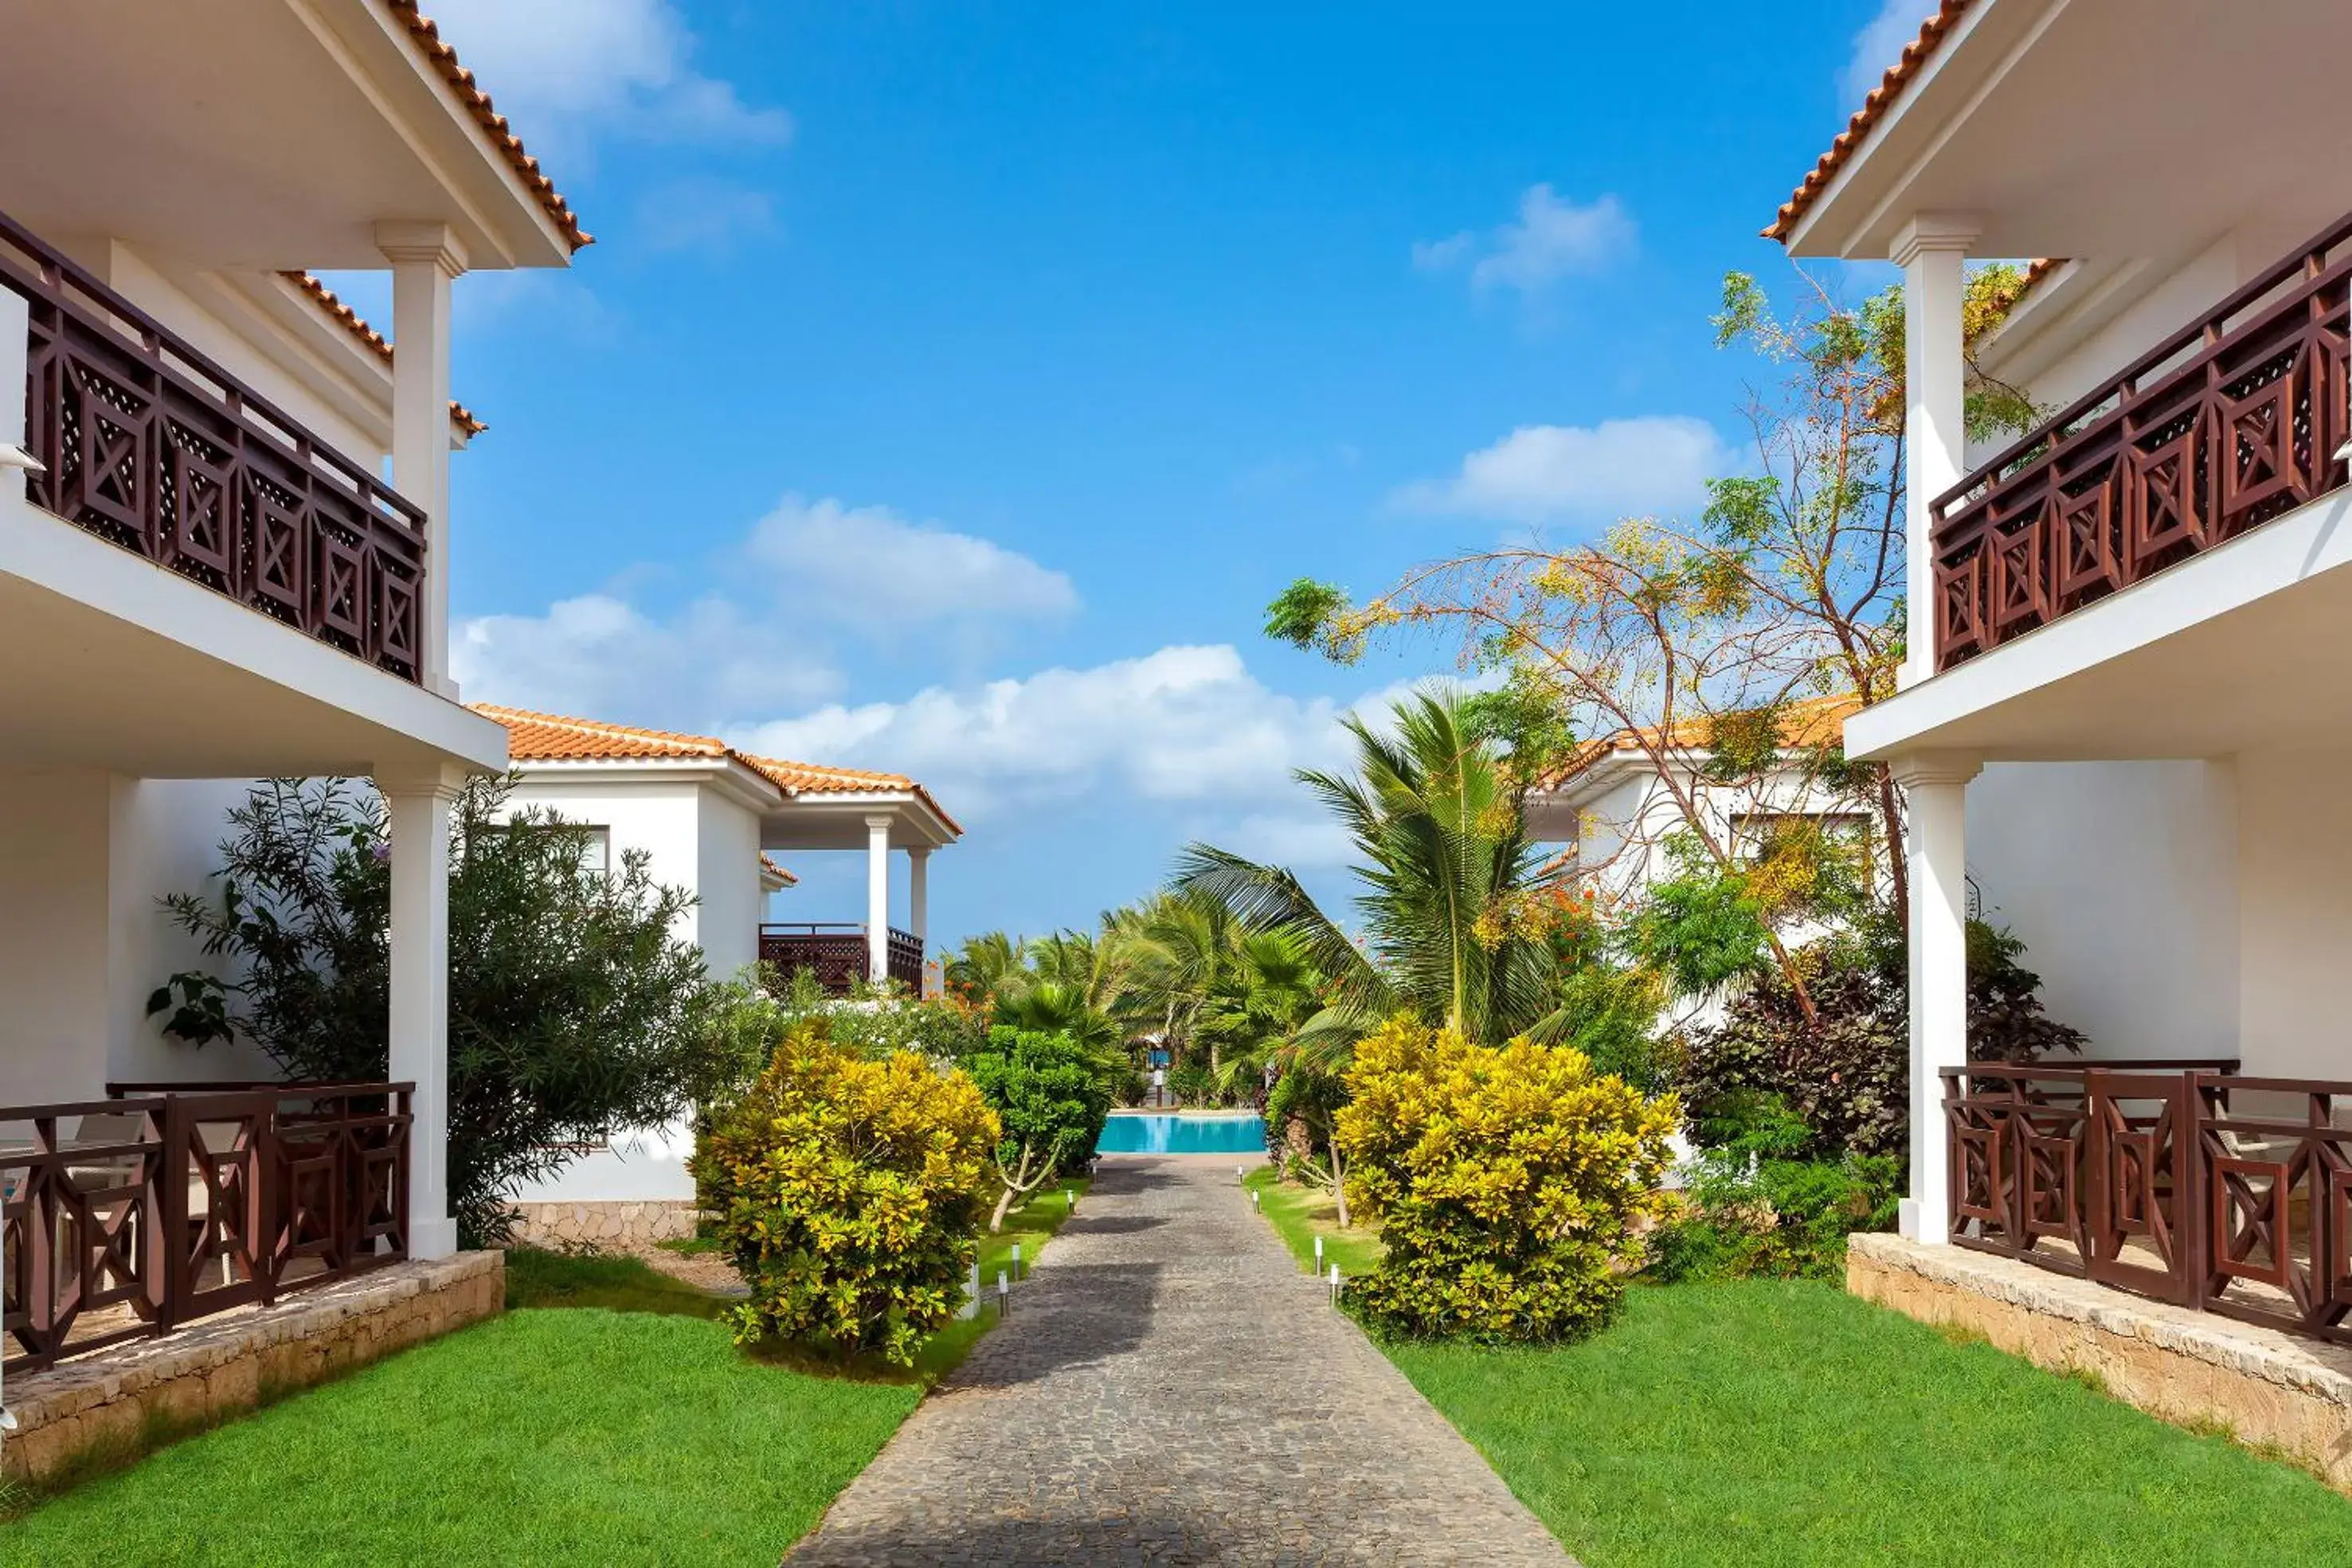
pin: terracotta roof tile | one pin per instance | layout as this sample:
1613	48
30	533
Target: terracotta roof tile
551	738
494	124
775	868
814	778
1873	109
1807	722
325	299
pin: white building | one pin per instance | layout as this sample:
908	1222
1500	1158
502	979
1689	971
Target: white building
2127	624
704	815
1620	802
223	537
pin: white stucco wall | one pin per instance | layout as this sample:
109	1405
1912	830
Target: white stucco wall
2122	879
726	877
663	820
2295	860
83	859
254	351
694	839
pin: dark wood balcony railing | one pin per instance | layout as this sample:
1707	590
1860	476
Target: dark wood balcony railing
2214	1191
149	445
836	954
123	1218
2218	429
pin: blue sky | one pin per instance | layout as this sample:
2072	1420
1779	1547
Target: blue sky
951	385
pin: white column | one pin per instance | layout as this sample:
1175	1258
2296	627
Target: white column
425	258
1934	793
919	904
877	899
1931	250
419	809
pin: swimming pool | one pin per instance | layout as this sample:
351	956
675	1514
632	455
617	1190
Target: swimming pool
1240	1133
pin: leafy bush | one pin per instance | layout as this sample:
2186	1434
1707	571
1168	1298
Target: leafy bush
849	1194
1051	1098
1193	1083
1763	1205
876	1021
1845	1072
1510	1183
574	1013
1301	1114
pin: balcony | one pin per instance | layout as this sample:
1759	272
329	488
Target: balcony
836	955
125	1217
148	444
2211	1191
2224	427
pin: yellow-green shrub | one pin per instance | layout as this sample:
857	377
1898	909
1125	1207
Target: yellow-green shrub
1510	1183
850	1192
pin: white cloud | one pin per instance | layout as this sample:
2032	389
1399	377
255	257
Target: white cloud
1878	46
601	656
1551	239
1540	473
1184	724
868	566
761	645
1292	840
569	70
699	213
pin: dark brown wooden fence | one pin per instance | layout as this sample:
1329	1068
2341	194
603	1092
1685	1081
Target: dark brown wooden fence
121	1218
2223	427
146	441
2186	1182
836	954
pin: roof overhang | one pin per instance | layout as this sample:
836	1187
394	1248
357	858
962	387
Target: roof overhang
838	820
2101	129
136	670
263	135
724	775
789	820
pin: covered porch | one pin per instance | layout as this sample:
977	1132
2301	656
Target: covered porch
877	816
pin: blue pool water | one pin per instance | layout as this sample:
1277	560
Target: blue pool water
1174	1134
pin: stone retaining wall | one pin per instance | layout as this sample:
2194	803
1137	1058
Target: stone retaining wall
603	1227
116	1402
2195	1368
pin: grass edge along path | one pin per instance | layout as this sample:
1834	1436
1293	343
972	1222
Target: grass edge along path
1299	1214
607	1417
1787	1422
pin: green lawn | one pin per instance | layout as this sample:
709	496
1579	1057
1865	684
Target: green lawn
1299	1215
569	1437
1787	1423
605	1420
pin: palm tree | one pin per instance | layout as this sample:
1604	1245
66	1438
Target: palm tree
1251	1017
988	964
1445	865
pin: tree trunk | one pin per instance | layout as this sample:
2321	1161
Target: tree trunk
1004	1202
1339	1182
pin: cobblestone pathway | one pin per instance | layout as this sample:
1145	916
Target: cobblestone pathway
1170	1389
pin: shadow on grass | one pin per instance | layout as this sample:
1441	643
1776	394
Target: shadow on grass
542	1279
